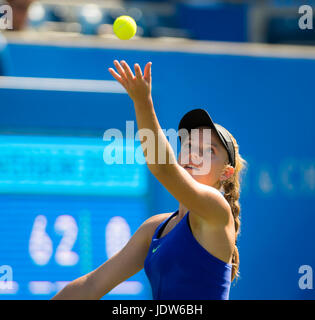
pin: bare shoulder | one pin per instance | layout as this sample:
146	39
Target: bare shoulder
149	225
153	222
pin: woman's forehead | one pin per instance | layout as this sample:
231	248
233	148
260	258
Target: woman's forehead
215	140
204	135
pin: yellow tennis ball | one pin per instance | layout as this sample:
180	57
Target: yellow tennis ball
125	27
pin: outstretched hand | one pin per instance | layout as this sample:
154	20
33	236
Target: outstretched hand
137	85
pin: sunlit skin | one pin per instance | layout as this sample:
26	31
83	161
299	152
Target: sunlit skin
218	157
215	153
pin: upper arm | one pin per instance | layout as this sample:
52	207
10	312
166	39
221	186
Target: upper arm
205	201
126	262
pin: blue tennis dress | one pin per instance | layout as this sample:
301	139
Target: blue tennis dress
179	268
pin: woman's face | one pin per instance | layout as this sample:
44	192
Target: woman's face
205	158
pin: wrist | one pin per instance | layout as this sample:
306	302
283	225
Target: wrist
143	101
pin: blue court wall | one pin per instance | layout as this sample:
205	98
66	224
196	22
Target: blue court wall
266	103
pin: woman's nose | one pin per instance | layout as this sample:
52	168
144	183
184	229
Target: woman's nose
195	158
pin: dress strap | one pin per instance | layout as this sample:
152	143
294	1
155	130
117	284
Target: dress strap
162	225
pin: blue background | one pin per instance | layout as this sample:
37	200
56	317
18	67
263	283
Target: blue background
266	103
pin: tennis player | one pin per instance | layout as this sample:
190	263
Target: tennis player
190	253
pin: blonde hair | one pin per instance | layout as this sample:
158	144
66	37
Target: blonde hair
232	188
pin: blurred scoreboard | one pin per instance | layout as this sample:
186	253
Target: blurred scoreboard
64	212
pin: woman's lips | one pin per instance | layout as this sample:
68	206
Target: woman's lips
190	167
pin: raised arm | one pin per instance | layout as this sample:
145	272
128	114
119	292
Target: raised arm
200	199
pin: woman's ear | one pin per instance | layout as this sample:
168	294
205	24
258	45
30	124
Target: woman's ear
227	173
230	171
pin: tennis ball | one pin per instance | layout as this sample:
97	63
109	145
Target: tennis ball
125	27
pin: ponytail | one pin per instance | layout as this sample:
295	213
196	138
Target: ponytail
231	188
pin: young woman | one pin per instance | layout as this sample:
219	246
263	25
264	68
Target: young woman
190	253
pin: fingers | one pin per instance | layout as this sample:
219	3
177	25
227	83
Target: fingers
120	70
127	70
147	72
115	75
138	71
125	73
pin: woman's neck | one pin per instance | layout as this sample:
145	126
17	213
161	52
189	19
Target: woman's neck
182	210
